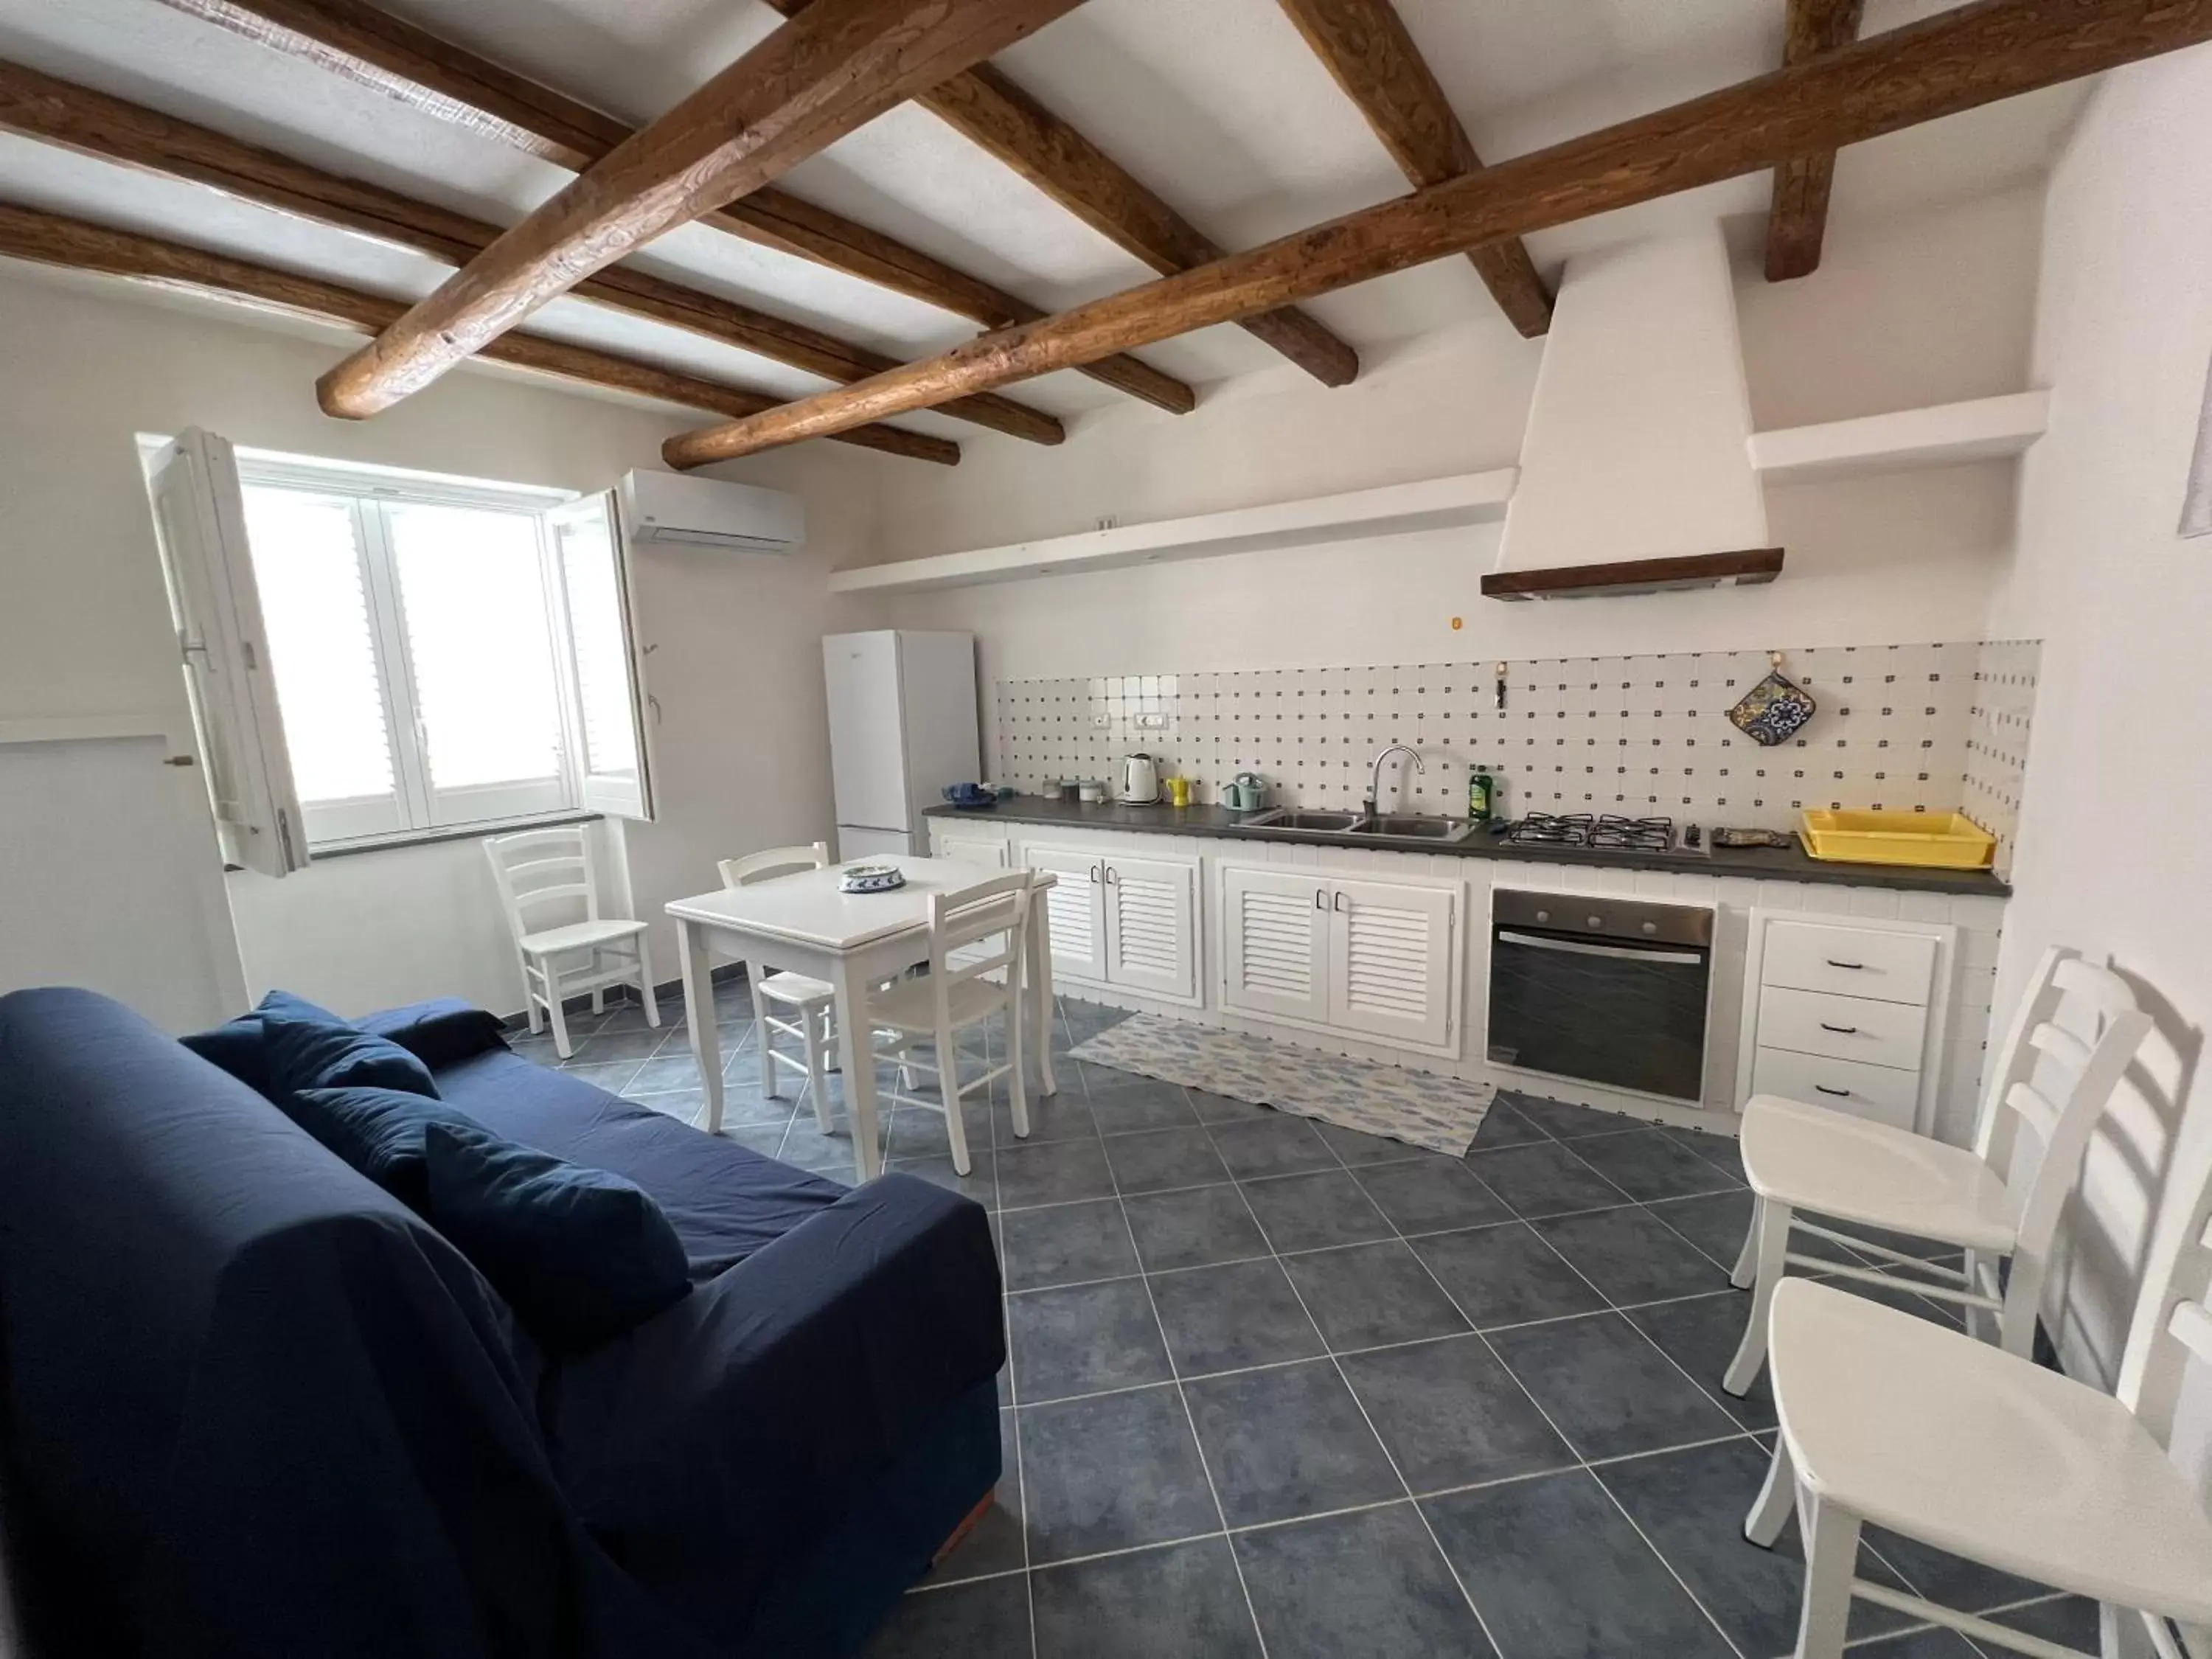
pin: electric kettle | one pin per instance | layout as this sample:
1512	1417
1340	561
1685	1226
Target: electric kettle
1140	780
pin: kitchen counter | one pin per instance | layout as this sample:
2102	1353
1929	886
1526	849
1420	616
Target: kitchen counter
1759	863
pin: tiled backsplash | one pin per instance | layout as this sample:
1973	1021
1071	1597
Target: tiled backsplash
1897	725
1996	738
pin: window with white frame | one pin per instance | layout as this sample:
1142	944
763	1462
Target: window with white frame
445	654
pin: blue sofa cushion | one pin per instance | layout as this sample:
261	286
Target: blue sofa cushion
378	1132
306	1051
725	1200
443	1032
240	1045
580	1254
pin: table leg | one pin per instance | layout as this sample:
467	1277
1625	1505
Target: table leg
860	1068
699	1014
1040	999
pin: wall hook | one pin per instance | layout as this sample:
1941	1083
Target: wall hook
1501	688
1774	660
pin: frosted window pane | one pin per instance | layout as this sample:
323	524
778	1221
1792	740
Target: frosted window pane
473	596
308	566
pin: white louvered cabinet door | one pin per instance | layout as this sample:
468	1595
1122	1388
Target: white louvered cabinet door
1274	945
1390	958
1076	905
1152	936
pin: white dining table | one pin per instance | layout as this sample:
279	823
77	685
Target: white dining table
807	924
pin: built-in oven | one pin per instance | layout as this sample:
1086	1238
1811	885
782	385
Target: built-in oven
1605	990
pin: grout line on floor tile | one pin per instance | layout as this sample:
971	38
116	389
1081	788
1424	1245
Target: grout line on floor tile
1539	1406
1190	1420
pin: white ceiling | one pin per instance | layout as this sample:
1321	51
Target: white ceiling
1217	105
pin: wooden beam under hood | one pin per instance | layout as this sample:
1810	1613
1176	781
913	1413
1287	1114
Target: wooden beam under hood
1957	60
1748	569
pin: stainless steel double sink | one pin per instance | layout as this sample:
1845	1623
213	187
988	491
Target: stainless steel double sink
1361	827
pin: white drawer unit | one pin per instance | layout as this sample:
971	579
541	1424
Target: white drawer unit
1843	1028
1884	963
1846	1015
1130	922
1348	956
1880	1092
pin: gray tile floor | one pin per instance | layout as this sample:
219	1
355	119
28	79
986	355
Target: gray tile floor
1284	1390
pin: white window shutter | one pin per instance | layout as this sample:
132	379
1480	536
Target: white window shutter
606	659
199	520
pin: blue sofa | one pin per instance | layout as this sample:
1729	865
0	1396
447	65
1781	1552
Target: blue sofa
250	1404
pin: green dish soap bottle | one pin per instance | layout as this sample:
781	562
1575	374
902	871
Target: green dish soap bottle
1481	796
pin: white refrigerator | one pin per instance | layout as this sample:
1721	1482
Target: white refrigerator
902	725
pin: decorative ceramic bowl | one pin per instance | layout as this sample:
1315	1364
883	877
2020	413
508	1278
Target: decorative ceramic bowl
869	878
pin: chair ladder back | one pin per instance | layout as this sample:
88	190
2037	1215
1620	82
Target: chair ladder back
529	868
2173	1325
773	861
1994	1125
2040	1196
997	909
2025	1102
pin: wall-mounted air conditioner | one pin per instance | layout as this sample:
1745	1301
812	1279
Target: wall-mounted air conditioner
670	506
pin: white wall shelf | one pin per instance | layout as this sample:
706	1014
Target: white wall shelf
1394	509
1944	434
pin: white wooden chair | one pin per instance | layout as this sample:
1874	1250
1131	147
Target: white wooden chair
977	938
2075	1031
811	1001
1894	1421
539	869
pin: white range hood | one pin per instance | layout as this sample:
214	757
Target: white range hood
1636	449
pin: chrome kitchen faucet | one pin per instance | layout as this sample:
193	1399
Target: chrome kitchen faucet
1374	784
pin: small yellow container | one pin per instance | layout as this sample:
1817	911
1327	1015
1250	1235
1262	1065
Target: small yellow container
1931	841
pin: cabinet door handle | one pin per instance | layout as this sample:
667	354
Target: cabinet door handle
1840	1030
1320	898
1109	875
1094	869
1841	1094
1336	901
1854	966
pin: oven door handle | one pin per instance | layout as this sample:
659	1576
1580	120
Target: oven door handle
1616	952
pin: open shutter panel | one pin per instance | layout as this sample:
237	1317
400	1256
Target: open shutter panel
199	520
606	657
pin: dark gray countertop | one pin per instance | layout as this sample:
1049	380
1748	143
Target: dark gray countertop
1759	863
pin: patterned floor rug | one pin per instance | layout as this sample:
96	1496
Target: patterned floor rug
1440	1114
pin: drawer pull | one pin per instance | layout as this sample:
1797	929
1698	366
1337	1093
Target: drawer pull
1840	1030
1840	1094
1855	967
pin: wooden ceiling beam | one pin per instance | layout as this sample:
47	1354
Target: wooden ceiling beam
1365	47
54	239
991	111
808	84
1797	222
986	107
354	38
58	112
1954	61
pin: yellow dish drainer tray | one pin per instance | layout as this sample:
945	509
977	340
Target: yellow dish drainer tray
1930	841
